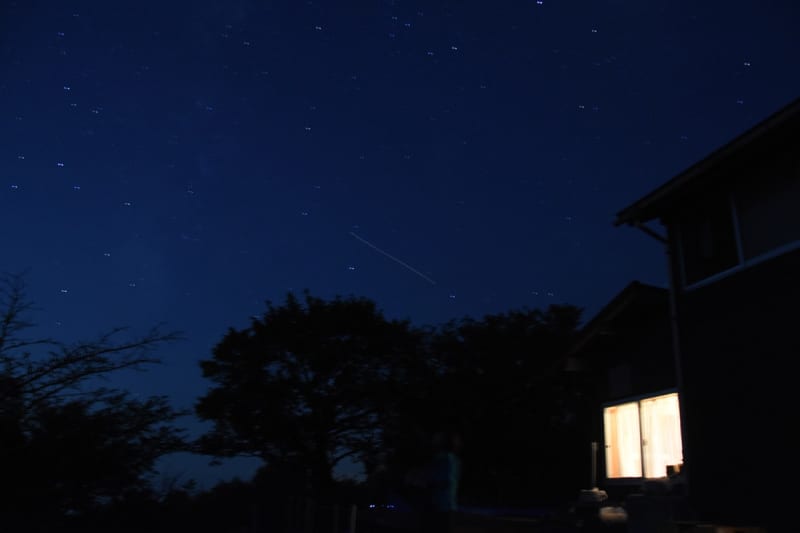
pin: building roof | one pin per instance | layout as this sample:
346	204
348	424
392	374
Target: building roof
635	297
654	204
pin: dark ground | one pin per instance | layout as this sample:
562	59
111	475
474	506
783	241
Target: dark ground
550	522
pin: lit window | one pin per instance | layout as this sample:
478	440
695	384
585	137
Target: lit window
623	441
642	438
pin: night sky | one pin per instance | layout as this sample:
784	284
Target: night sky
183	162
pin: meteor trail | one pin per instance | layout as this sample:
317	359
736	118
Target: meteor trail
393	258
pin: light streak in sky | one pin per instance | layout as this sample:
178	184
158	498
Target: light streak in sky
393	258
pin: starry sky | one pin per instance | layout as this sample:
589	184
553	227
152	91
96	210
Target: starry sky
183	162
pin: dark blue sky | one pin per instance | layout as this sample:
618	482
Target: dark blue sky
186	161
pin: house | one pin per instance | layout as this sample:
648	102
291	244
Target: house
626	350
624	363
730	225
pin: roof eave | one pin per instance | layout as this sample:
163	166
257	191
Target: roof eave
652	205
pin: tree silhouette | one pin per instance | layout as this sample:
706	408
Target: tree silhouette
306	385
314	381
496	380
67	447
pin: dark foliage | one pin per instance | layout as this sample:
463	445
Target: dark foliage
307	385
497	381
67	448
315	381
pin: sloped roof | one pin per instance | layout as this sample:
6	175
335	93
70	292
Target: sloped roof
654	204
636	294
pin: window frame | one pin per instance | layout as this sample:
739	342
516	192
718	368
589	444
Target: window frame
742	262
638	399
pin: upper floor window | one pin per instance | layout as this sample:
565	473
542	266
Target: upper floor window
708	240
755	219
768	208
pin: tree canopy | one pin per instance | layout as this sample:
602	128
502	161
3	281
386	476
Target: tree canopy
312	382
67	446
497	382
306	385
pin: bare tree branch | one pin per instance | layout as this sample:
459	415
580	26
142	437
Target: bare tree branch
64	367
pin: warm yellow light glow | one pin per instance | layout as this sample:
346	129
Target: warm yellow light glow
623	444
643	437
661	434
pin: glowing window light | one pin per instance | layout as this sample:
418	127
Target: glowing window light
623	442
642	438
661	434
